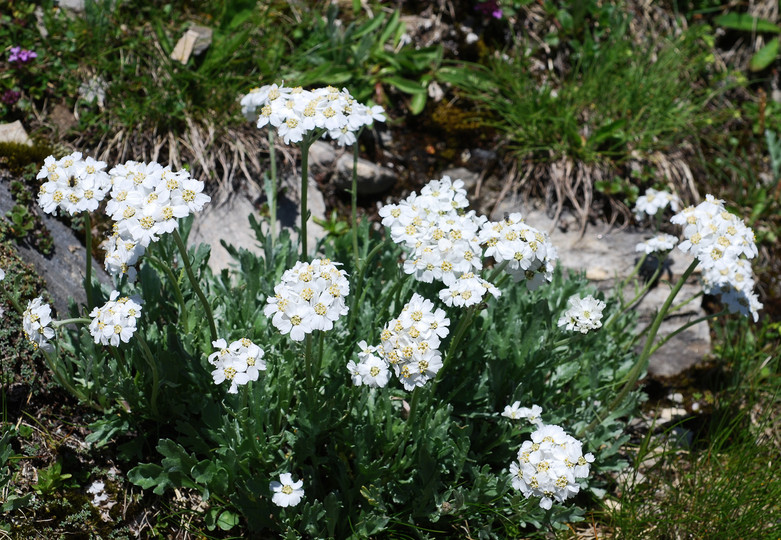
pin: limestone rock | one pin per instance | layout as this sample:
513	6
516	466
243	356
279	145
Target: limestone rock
63	270
372	179
196	40
14	133
227	218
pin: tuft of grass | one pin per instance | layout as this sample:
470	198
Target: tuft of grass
718	481
617	99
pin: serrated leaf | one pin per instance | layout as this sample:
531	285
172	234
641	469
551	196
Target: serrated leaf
764	56
149	475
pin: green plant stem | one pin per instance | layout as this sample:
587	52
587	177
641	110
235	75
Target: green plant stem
194	282
272	196
63	381
458	334
171	277
354	201
358	284
150	359
642	361
683	328
75	320
498	270
304	188
88	266
638	295
310	380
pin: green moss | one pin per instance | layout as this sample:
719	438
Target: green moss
17	157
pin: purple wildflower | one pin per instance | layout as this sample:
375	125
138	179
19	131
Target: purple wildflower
21	56
490	7
10	97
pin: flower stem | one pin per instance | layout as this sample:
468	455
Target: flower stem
642	361
360	290
171	277
458	334
310	380
75	320
304	188
686	326
88	266
194	282
272	194
150	359
354	202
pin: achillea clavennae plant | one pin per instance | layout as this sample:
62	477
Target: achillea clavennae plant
443	446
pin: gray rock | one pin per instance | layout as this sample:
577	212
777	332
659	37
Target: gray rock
63	270
14	133
469	178
322	155
372	179
227	218
75	6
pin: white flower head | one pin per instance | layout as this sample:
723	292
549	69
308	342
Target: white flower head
297	113
526	252
35	322
549	466
410	343
238	363
311	296
652	201
661	243
116	320
72	184
516	412
583	314
723	244
286	492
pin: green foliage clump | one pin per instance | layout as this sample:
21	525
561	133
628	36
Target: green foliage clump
615	100
374	461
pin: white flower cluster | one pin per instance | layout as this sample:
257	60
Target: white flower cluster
549	466
583	314
410	343
309	297
35	321
652	201
146	201
72	183
447	244
443	241
239	363
116	320
296	112
722	243
371	370
661	243
516	412
286	492
528	252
